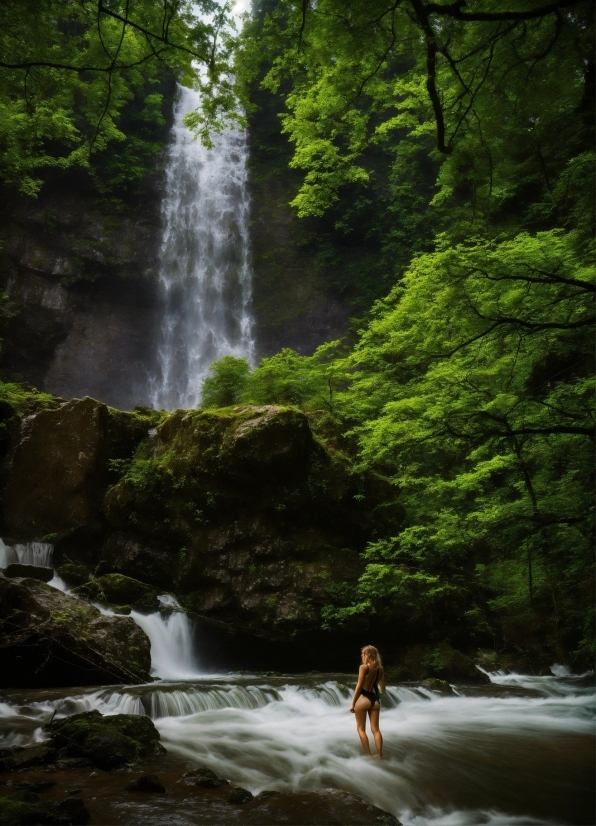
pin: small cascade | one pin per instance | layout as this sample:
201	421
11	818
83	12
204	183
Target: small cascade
204	267
172	643
28	553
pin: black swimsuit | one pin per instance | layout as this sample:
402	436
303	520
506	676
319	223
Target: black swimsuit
372	694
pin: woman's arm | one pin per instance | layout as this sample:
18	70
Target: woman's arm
361	675
382	683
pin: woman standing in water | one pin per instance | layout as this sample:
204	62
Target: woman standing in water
366	698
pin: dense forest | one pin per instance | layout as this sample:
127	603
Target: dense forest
455	143
458	140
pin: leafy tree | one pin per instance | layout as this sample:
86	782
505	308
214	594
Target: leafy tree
226	382
506	95
68	69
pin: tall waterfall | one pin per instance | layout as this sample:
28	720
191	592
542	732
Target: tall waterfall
204	266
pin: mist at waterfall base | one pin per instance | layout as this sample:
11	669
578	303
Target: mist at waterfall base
204	266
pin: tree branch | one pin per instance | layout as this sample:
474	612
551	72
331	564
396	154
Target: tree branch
455	10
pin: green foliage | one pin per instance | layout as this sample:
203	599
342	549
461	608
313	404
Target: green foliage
25	401
226	382
69	70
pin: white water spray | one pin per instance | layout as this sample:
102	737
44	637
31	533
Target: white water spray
204	267
172	644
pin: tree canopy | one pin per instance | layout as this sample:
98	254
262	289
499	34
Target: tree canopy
69	68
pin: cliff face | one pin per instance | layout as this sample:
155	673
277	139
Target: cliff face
82	294
83	301
240	512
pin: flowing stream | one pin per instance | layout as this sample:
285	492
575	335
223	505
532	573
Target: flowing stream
517	751
204	267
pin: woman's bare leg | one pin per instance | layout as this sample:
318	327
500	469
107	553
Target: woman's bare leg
374	714
361	707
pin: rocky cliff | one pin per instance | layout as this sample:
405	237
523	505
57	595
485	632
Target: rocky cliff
240	512
81	289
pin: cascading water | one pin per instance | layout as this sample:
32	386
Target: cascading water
204	267
28	553
172	644
519	751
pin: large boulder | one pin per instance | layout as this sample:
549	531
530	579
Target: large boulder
52	639
436	664
246	516
107	742
60	466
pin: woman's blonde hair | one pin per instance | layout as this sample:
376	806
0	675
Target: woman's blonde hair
373	656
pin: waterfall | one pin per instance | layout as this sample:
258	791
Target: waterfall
172	644
204	267
28	553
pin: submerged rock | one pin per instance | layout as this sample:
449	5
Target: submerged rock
52	639
325	807
17	569
107	742
146	783
205	778
238	796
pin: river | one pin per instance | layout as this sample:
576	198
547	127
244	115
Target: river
517	751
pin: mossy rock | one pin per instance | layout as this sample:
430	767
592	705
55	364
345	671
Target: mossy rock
116	589
53	639
108	742
73	573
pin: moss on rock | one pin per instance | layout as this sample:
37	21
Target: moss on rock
108	742
52	639
116	589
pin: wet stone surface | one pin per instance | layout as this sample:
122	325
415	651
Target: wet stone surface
118	798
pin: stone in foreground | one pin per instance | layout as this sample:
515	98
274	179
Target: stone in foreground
107	742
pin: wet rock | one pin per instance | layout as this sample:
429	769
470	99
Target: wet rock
440	686
116	589
60	466
325	807
14	811
73	573
18	758
205	778
146	783
108	742
239	796
17	569
52	639
139	558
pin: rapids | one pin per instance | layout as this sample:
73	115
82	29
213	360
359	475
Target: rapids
518	751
